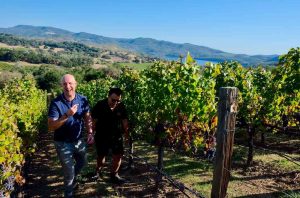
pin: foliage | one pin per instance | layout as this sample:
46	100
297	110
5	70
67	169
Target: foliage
67	46
131	84
95	90
21	115
289	75
282	97
48	78
65	59
165	93
181	96
151	47
135	66
5	76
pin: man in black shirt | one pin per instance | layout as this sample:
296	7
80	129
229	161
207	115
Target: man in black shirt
111	122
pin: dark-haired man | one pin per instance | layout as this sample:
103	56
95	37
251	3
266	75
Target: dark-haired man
111	122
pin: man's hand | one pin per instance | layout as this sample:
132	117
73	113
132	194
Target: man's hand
72	110
54	124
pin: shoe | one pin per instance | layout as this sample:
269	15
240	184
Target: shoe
116	179
96	176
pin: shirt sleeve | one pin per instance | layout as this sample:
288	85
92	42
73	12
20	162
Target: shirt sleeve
85	105
53	111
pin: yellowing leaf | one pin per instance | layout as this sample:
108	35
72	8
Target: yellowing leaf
189	59
2	137
2	159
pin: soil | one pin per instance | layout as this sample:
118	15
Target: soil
44	179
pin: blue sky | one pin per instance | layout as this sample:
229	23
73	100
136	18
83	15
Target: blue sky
237	26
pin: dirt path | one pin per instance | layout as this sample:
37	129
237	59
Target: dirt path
44	178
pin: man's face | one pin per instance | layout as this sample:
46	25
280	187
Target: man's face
69	85
113	100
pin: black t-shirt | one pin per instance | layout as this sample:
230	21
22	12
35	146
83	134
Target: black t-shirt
109	123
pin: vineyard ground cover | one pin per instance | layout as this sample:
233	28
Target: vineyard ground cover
281	142
19	63
268	177
136	66
45	177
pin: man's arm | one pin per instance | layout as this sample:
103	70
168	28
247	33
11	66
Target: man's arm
89	127
54	124
88	123
94	124
125	128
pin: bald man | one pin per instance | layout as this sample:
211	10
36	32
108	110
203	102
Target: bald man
66	117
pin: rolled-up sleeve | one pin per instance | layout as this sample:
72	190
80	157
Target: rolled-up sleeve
85	105
53	111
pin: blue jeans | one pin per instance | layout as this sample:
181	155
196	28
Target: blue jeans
67	153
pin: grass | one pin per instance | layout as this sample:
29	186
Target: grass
278	161
198	173
290	194
269	177
5	66
240	156
136	66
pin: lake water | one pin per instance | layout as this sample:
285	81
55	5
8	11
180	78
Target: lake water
202	62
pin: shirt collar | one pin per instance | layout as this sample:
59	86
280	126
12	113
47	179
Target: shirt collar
65	100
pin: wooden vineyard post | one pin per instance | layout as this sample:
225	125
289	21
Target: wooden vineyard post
159	140
227	109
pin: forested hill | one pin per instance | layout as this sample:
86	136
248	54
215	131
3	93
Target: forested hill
147	46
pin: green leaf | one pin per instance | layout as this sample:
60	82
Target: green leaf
189	60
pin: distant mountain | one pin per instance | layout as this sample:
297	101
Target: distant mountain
146	46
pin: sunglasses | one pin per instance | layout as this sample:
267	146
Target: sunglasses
115	100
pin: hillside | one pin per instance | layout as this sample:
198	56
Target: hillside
147	46
66	53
